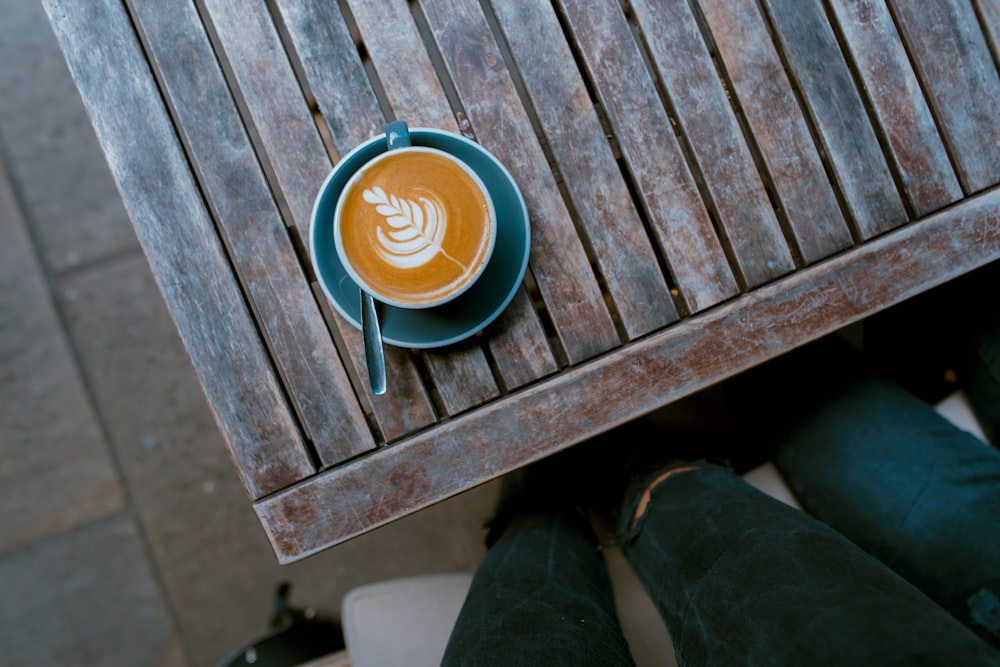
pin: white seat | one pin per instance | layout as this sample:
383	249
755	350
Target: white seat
403	622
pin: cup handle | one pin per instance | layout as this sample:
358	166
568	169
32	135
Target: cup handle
397	135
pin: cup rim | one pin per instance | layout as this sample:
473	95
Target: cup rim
349	268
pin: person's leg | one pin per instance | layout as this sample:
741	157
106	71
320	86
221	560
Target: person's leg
542	595
742	579
884	469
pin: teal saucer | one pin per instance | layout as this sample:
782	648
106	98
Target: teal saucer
480	304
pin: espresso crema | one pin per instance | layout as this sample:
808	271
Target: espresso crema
415	226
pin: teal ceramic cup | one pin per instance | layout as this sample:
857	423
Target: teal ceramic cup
476	307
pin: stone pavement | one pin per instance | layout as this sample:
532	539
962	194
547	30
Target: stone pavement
126	537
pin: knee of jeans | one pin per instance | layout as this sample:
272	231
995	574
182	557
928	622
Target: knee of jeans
984	609
630	522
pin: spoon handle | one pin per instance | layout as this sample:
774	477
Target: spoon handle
374	356
397	135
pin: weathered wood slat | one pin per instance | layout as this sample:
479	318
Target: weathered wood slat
657	165
404	67
281	121
519	345
462	374
835	106
333	70
953	60
698	352
463	377
894	91
558	262
989	11
603	205
782	134
707	119
258	242
280	116
181	243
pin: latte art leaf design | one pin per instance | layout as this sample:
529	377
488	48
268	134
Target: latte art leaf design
413	229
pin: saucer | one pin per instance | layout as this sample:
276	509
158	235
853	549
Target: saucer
467	314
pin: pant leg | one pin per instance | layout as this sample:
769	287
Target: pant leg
742	579
884	469
542	596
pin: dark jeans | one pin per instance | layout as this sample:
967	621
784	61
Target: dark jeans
908	530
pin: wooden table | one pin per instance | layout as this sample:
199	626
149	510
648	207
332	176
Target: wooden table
710	183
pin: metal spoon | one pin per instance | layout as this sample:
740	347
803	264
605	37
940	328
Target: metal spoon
397	135
372	333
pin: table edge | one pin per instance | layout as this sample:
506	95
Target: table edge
752	328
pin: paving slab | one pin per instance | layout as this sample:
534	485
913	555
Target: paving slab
56	470
49	145
87	598
218	571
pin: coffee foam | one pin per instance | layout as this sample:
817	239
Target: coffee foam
415	227
414	230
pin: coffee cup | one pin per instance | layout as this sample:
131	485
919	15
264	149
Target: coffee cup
414	226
